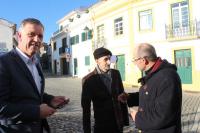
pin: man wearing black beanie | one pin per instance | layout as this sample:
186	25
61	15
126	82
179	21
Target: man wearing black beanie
102	87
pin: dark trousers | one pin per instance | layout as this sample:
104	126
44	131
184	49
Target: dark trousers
107	129
21	128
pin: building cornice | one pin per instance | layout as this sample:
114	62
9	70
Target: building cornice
7	23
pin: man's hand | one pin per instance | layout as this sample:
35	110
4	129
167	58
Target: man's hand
123	97
59	101
46	111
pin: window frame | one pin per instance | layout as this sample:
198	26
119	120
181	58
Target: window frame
100	33
118	26
54	46
180	21
148	14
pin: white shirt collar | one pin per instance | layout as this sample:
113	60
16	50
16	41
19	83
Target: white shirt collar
25	58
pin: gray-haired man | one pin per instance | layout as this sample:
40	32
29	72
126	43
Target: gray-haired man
160	96
24	106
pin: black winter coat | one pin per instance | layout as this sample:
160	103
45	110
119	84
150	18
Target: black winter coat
108	112
160	99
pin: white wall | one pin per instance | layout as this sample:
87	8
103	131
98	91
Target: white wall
195	9
160	17
81	49
55	55
157	37
6	37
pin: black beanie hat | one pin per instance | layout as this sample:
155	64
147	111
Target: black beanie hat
99	52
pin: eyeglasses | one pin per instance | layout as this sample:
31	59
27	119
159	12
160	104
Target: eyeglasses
136	59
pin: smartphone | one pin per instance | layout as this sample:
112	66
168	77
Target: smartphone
63	104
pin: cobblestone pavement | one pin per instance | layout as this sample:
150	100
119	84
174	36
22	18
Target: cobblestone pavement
69	119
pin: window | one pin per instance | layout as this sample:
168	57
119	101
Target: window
145	20
180	14
100	34
90	34
86	35
74	39
54	46
77	39
64	42
183	62
61	27
87	60
118	23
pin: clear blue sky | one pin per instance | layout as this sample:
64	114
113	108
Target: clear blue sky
47	11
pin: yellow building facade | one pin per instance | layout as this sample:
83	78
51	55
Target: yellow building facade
172	26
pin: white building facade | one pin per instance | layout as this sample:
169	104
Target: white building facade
7	31
173	27
112	32
77	29
81	41
61	65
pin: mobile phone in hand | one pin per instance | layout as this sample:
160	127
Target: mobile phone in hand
63	104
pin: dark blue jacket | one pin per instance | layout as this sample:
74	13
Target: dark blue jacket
19	97
160	99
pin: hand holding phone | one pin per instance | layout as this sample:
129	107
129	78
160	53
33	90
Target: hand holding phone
63	104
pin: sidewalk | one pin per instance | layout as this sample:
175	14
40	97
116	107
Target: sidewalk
191	113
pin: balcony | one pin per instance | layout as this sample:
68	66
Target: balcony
61	31
191	31
62	50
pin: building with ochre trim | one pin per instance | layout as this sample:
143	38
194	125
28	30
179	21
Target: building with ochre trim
172	26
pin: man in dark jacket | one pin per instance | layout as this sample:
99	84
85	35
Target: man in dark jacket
159	97
102	87
24	106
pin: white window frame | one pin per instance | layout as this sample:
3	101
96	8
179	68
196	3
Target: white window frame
178	18
118	26
145	20
100	33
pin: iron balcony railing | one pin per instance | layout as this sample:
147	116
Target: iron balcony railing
191	30
61	30
62	50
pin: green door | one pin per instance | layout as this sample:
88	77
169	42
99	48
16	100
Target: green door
121	66
75	66
184	64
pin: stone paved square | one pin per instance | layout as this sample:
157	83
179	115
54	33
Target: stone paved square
69	119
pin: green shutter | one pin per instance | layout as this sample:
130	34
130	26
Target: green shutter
90	34
83	36
121	66
87	60
72	40
77	38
